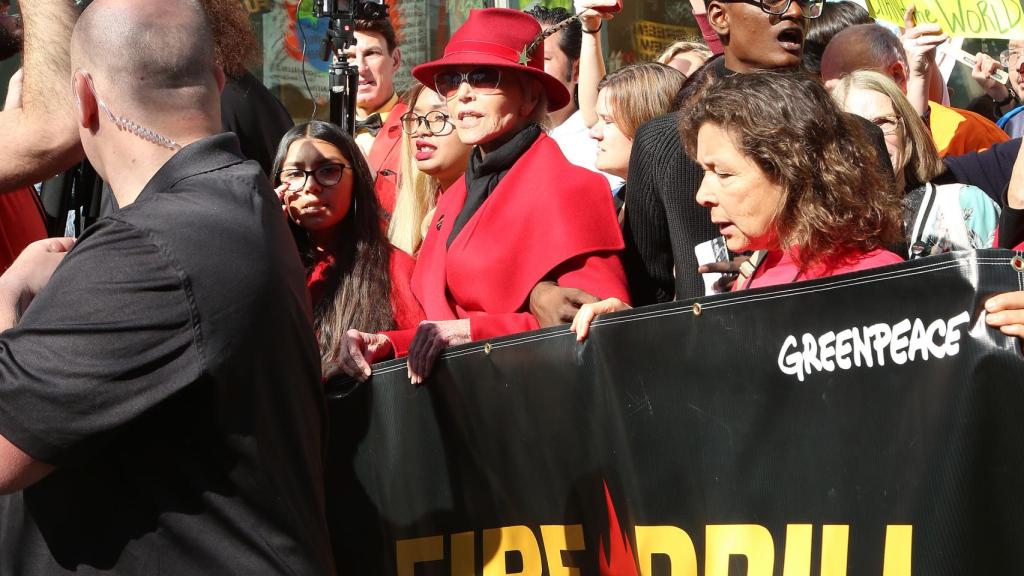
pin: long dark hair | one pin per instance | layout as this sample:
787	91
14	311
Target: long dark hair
358	284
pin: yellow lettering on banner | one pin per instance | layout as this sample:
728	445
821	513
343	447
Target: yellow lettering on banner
835	544
898	545
463	553
518	539
409	553
797	559
559	538
961	18
670	541
750	540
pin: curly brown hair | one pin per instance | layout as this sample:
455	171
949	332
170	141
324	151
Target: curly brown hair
234	43
837	198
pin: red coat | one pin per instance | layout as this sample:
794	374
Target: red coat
405	309
21	223
547	219
384	157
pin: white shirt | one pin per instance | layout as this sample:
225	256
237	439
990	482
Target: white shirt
573	137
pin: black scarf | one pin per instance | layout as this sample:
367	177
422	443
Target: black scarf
484	174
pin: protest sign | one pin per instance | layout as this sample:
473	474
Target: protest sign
861	425
958	18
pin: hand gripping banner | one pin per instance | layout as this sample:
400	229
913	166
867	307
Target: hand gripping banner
869	424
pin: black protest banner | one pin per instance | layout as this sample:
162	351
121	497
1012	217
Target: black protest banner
864	425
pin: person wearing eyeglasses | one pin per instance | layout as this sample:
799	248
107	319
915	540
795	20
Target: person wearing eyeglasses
522	213
326	190
432	159
1007	108
907	63
937	218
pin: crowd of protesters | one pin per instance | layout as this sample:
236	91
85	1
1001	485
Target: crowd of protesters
164	370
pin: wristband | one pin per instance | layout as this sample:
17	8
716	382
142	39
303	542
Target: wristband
600	24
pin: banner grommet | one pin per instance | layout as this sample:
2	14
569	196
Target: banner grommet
696	309
487	349
1018	263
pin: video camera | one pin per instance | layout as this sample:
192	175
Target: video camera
350	10
341	15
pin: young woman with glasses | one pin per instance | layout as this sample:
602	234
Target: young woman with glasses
432	159
937	218
326	190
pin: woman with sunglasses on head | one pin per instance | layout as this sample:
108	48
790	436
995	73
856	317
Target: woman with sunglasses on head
937	219
432	159
521	215
327	193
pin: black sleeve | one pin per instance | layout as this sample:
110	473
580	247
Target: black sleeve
1011	228
110	337
648	254
989	169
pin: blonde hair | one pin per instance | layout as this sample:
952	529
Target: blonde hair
682	47
416	195
640	92
921	161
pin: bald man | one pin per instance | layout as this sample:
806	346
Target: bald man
161	409
873	47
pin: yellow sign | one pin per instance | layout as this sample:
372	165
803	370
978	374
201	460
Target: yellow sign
960	18
651	38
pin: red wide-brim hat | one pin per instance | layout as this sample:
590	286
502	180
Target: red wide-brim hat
497	37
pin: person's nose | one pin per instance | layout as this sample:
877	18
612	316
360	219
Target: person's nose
596	132
421	129
795	11
704	195
465	91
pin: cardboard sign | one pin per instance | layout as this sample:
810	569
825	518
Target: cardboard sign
958	18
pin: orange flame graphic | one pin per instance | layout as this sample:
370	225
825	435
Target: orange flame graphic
619	560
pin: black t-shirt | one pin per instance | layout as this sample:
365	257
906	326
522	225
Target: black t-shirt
169	371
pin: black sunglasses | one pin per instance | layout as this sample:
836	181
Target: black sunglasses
483	80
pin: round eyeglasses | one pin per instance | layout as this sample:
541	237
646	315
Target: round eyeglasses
326	175
811	8
436	122
1006	56
483	80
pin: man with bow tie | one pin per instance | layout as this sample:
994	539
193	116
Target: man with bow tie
378	108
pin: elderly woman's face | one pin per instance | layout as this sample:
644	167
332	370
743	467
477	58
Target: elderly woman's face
490	117
878	108
744	202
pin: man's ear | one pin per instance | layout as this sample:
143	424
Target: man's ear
718	18
86	107
898	72
575	72
396	57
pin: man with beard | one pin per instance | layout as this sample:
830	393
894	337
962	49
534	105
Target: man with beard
21	219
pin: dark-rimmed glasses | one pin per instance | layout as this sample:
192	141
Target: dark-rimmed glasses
436	122
326	175
483	80
811	8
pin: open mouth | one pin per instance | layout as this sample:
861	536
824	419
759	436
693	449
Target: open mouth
468	118
791	39
424	151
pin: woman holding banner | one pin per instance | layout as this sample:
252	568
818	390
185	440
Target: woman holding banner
521	215
798	190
